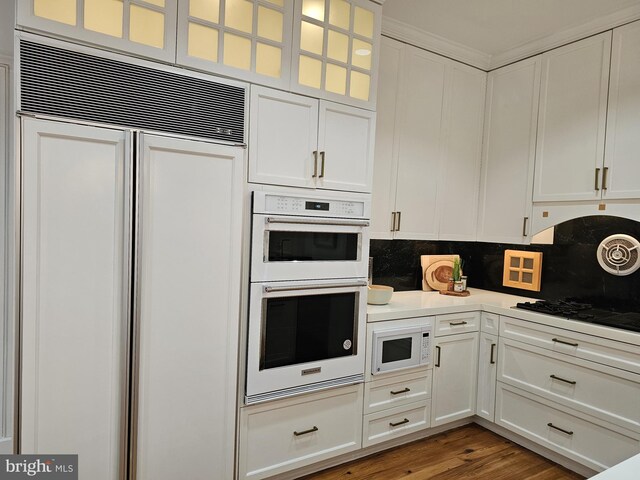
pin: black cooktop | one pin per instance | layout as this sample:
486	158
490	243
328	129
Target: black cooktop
612	314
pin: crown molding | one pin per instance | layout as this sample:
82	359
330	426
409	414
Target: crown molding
568	35
434	43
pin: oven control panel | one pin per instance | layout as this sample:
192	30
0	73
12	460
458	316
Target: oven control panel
293	205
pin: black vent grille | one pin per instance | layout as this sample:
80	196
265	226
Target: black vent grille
64	83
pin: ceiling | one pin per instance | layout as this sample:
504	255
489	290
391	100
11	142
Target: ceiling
494	27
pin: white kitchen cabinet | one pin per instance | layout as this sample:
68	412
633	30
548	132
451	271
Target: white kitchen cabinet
429	160
395	422
571	121
141	27
302	142
457	323
395	390
454	378
621	163
279	436
335	50
487	370
506	181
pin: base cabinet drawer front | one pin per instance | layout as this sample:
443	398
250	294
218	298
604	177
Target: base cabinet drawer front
589	347
490	323
396	391
282	435
596	444
395	422
607	393
457	323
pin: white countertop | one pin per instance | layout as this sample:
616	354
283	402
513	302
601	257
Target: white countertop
627	470
417	303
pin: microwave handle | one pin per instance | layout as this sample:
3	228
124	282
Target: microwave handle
290	288
318	221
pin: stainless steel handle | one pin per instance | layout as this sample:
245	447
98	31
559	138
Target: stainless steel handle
291	288
568	432
605	174
304	432
524	226
493	349
570	382
437	356
391	424
393	221
322	158
455	324
597	180
399	217
318	221
557	340
398	392
315	164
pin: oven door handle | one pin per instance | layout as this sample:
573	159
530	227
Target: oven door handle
313	287
318	221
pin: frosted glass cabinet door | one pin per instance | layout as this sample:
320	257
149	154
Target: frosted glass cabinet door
248	39
75	321
143	27
188	312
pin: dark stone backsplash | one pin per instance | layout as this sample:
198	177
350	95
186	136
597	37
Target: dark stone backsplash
569	266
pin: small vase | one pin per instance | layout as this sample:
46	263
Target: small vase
458	286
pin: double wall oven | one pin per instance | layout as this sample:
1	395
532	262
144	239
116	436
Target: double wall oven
308	293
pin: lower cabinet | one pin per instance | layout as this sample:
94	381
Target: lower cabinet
279	436
487	370
454	378
395	422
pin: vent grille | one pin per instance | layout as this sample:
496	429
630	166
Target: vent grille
64	83
619	254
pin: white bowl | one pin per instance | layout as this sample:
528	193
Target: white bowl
379	294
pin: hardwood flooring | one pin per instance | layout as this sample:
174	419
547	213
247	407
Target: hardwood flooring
469	452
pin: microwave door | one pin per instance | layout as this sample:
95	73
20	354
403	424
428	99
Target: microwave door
396	350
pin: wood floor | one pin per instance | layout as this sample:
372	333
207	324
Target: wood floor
469	452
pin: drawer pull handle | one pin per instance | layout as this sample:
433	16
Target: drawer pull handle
568	432
437	356
557	340
391	424
304	432
457	323
404	390
570	382
493	349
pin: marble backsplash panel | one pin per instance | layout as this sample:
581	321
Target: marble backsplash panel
569	266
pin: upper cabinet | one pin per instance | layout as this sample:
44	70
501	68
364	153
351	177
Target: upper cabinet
572	120
302	142
143	27
248	39
336	49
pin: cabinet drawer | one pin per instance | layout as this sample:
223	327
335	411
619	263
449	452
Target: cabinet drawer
490	323
598	390
285	434
395	422
596	444
457	323
397	390
589	347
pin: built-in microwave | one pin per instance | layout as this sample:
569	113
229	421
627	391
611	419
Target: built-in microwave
399	347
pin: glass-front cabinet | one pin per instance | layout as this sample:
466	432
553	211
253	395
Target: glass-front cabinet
336	49
249	39
143	27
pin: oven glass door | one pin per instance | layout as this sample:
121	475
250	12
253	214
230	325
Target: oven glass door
301	335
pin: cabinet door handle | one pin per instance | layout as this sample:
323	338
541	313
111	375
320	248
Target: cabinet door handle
493	349
597	180
391	424
557	340
455	324
315	164
437	356
393	221
322	159
524	226
304	432
568	432
399	218
398	392
570	382
605	173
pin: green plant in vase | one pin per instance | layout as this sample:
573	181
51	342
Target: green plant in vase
457	270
